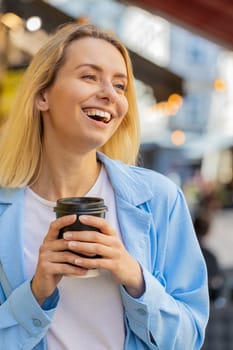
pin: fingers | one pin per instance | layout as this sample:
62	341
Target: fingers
58	224
91	243
89	264
63	257
61	254
92	250
66	264
58	263
99	223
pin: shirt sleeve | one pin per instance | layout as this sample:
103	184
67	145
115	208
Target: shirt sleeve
23	323
173	311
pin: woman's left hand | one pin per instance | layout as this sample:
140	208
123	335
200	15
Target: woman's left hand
114	257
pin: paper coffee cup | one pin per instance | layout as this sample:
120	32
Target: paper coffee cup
80	206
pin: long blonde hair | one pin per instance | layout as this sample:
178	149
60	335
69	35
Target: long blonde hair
21	137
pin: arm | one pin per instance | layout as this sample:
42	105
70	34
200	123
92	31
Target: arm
23	323
173	311
26	312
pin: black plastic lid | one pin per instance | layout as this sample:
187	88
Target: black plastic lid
80	204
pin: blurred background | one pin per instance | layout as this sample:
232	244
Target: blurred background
182	54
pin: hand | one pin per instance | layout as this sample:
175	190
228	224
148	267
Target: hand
114	257
54	261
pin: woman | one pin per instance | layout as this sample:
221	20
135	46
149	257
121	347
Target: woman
72	132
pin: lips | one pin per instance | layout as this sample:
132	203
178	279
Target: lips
98	114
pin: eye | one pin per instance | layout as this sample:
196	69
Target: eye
89	77
120	86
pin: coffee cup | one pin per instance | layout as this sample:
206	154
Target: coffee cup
81	206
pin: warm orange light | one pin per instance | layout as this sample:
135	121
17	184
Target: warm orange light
178	137
169	107
83	20
219	85
175	100
173	104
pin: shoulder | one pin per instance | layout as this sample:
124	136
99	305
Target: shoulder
152	176
158	183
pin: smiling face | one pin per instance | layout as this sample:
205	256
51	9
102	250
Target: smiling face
86	103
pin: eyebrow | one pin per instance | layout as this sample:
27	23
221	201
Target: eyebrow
97	68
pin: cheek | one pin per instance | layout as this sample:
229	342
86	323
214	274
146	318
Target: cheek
64	94
123	107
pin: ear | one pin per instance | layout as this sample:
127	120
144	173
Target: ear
42	101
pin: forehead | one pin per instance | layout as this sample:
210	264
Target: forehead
97	51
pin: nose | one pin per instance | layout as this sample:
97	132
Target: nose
107	92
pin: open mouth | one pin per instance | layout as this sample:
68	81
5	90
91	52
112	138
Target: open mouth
98	115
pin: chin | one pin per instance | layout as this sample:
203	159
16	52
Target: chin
96	144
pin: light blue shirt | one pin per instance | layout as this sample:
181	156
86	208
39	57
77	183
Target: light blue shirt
157	230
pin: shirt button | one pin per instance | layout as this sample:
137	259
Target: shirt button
141	312
36	322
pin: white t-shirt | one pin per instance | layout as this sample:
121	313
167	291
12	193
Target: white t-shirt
90	311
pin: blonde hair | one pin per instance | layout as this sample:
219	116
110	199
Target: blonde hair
21	136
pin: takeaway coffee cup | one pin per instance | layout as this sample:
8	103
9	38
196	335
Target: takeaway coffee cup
80	206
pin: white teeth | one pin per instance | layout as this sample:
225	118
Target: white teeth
96	112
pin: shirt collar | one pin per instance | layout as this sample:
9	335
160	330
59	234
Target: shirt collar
129	182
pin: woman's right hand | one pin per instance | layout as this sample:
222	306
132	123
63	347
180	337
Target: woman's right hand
54	260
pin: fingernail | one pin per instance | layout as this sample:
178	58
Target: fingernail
73	216
72	244
78	261
67	235
83	217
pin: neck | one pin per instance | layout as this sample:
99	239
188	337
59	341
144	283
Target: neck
66	175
